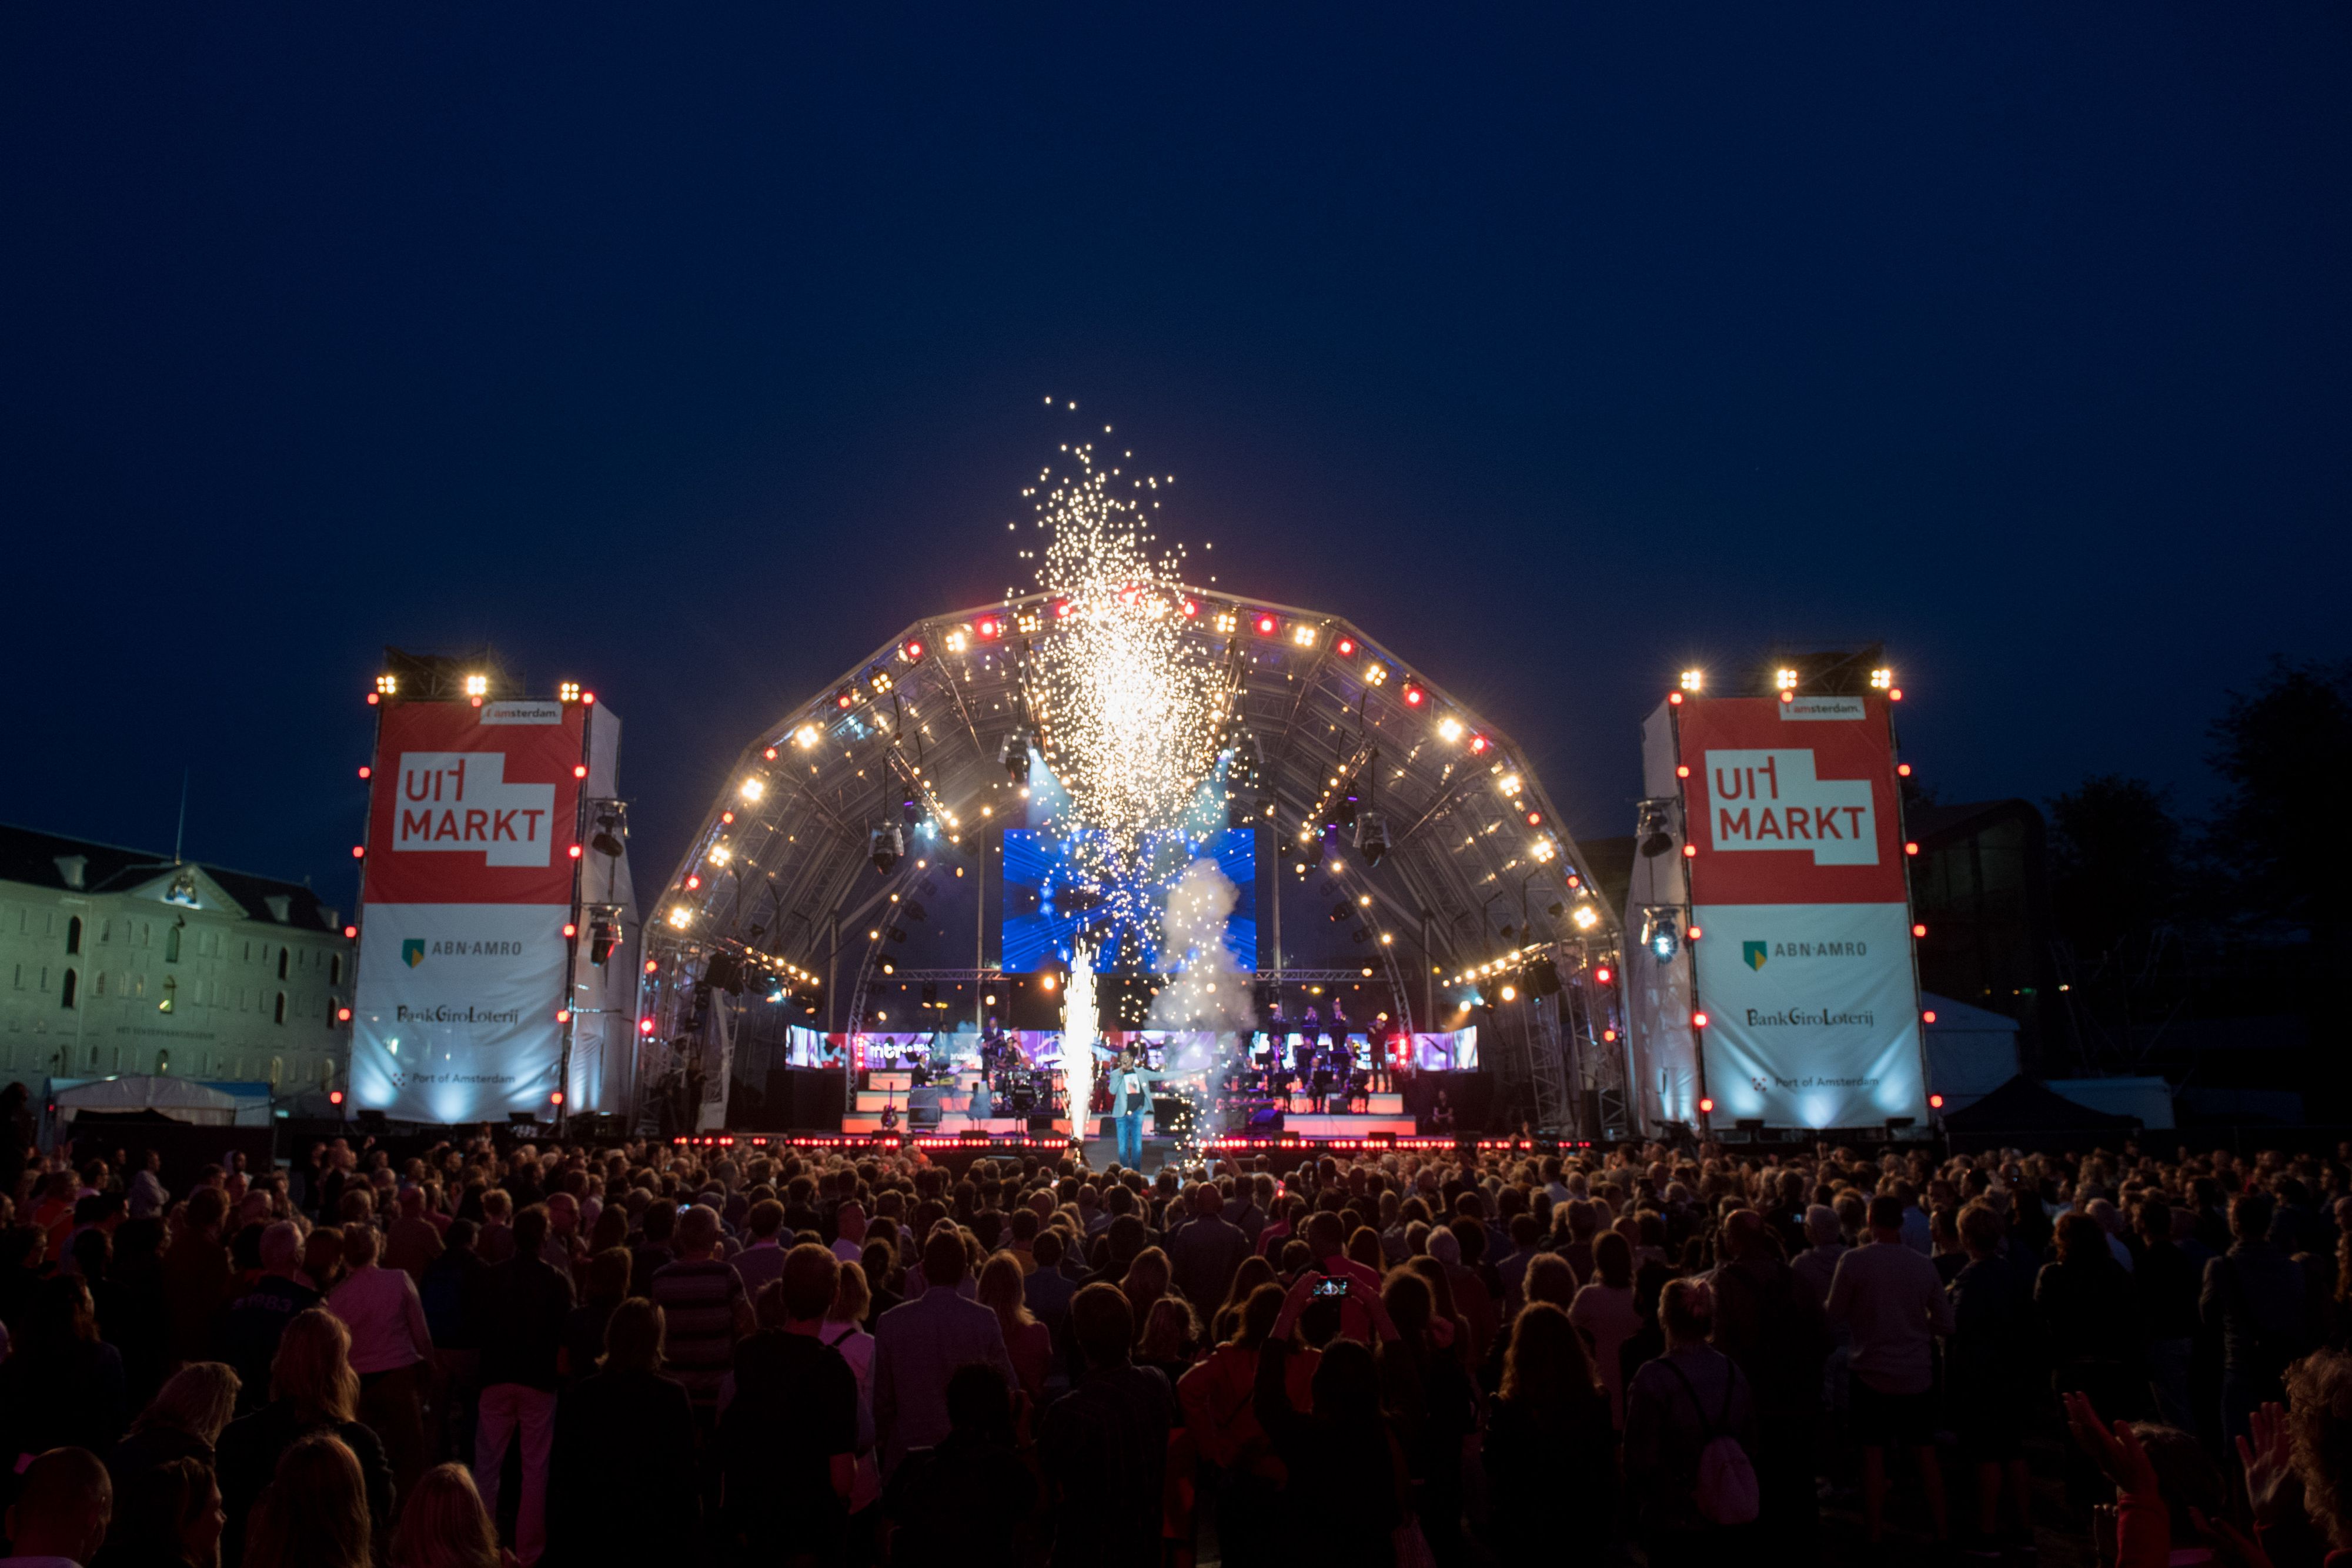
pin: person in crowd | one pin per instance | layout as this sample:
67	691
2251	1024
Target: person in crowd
197	1273
1029	1342
451	1290
974	1472
1892	1303
1679	1406
391	1349
761	1259
1550	1447
1208	1252
1103	1446
1771	1325
316	1512
621	1489
62	1386
313	1390
788	1439
1218	1398
443	1524
919	1343
526	1302
258	1313
705	1309
1345	1495
2166	1284
2090	1326
1987	1362
183	1421
64	1504
605	1284
166	1516
415	1239
1604	1311
2254	1295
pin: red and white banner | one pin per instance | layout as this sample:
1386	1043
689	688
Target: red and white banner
1804	967
468	885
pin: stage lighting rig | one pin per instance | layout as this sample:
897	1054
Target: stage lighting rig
885	843
1015	758
1371	836
607	839
1662	934
1654	829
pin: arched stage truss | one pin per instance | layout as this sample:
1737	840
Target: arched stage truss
1327	725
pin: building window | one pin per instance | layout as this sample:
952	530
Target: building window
73	935
66	998
277	1070
172	941
282	953
280	1011
98	984
335	970
164	1060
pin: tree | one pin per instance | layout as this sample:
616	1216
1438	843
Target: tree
2117	869
2285	748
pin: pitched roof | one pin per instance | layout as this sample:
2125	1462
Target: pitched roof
32	857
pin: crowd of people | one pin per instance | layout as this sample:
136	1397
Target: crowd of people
466	1353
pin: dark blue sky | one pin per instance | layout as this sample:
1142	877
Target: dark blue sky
693	354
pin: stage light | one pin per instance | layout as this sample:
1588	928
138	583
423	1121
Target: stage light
563	1015
477	686
1478	744
1912	849
334	1096
913	649
844	699
681	917
351	931
1662	934
1602	973
727	819
1535	818
1655	830
1935	1102
1415	695
1895	696
1061	608
1510	993
1263	624
1371	837
1785	678
1544	850
569	930
556	1098
653	966
1303	635
573	852
1706	1106
644	1026
1674	699
1699	1020
1344	647
1903	770
358	851
587	699
1586	917
567	691
806	737
388	685
1015	758
1449	728
603	937
1882	680
342	1015
1918	931
1227	620
1376	675
989	627
720	854
884	844
693	880
957	641
580	771
1693	679
753	790
1690	852
1693	934
374	698
1682	770
1190	609
1928	1017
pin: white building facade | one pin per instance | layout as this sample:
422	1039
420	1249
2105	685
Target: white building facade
119	961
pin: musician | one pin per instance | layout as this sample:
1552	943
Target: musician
1130	1095
1338	1031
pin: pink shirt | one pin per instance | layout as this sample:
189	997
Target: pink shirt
386	1318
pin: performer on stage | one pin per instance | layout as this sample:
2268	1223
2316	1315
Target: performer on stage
1130	1095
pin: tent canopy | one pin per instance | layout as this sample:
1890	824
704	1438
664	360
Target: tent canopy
2024	1106
181	1099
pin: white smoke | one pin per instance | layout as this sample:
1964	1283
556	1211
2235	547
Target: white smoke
1208	991
1080	1025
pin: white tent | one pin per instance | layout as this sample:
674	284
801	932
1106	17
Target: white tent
1972	1051
181	1099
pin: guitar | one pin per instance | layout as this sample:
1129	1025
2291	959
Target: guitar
890	1111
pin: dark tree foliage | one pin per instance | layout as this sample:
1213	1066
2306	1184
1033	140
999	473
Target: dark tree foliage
2118	875
2285	750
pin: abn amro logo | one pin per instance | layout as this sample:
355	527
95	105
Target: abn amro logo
1755	953
412	952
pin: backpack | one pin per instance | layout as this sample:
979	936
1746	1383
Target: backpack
1726	1491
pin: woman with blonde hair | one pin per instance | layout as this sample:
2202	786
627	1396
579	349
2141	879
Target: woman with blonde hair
315	1513
1145	1281
845	1330
444	1525
1003	1290
313	1390
182	1422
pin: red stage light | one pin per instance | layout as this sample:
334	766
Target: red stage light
726	817
1910	849
1414	696
1478	744
1675	699
693	882
575	851
1895	696
579	769
570	930
769	754
563	1015
844	699
1695	933
1928	1017
1347	647
1266	625
1608	1037
914	650
1535	818
1918	931
334	1096
1690	852
653	966
988	626
358	851
373	698
644	1026
342	1015
367	772
1787	696
588	699
1699	1020
1706	1106
557	1099
1603	974
350	931
1187	608
478	702
1935	1102
1903	770
1061	609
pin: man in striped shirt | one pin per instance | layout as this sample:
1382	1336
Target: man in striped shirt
707	1309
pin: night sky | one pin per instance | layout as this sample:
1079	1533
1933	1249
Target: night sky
692	354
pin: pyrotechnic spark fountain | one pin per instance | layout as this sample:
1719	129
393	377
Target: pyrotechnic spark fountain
1079	1027
1127	707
